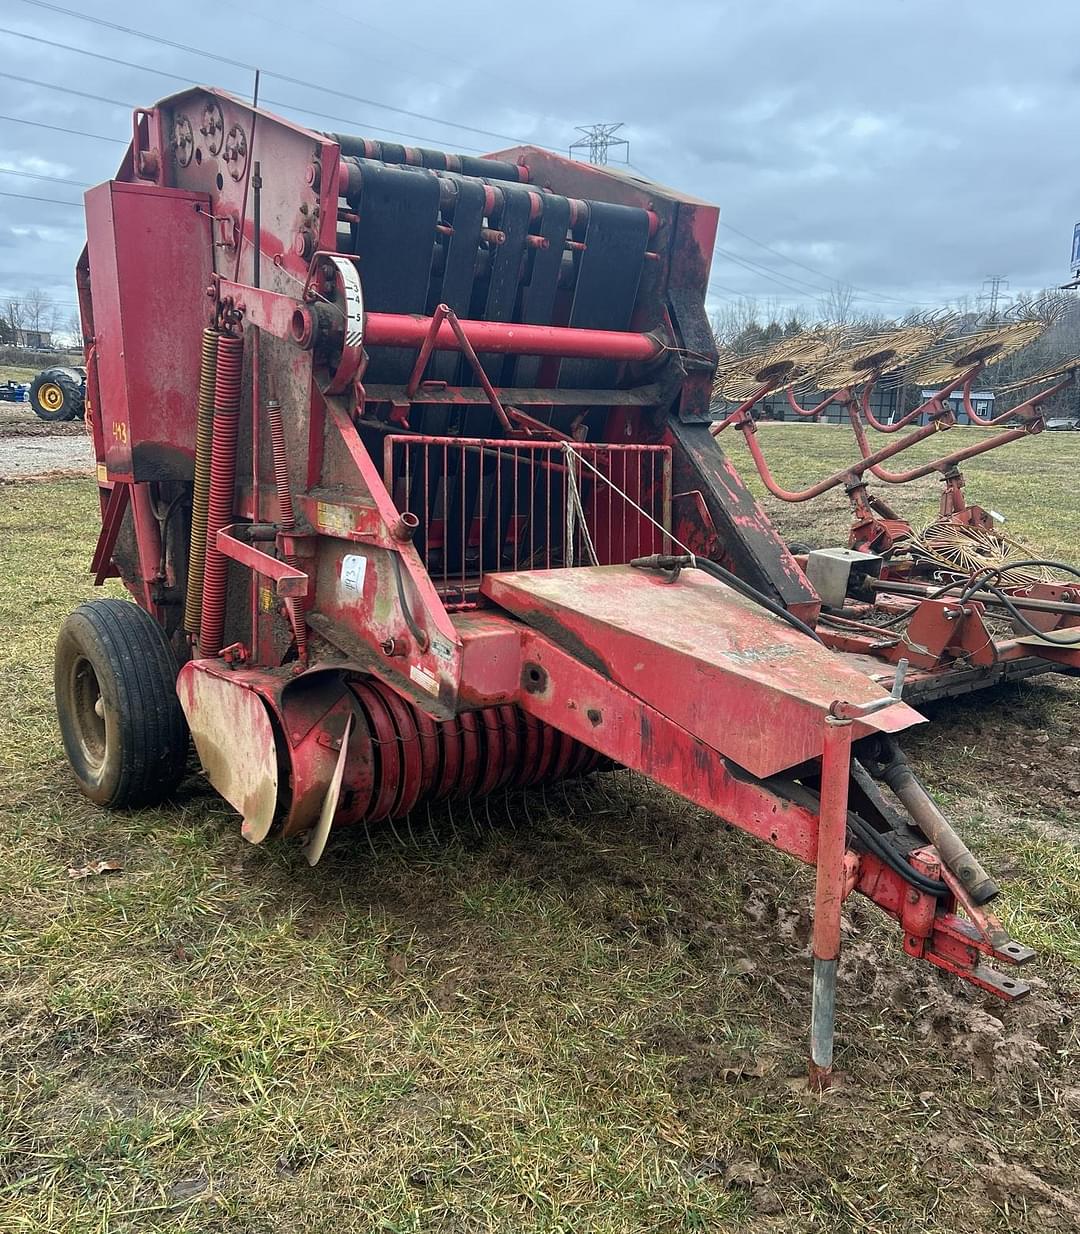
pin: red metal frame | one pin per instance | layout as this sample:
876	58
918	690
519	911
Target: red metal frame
352	683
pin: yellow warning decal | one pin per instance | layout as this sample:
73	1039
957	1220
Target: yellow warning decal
335	519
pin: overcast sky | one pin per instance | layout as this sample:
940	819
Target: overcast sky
910	148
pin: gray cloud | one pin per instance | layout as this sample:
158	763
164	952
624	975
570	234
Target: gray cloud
910	147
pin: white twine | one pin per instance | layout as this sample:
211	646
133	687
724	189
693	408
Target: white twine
572	453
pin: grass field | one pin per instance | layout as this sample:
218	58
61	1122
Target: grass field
25	372
1032	482
17	372
571	1013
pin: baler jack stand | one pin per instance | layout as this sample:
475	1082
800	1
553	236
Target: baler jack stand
831	846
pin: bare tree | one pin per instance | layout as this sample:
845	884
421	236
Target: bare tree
734	318
73	330
39	310
838	304
747	322
13	318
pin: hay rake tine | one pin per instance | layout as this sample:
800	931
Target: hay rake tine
526	793
370	842
472	815
507	813
395	832
487	815
453	820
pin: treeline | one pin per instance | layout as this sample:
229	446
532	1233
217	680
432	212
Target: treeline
746	325
36	312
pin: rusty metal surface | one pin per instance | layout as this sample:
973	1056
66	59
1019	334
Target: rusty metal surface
716	663
150	258
231	729
389	488
746	540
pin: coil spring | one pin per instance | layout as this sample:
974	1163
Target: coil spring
417	759
227	387
204	437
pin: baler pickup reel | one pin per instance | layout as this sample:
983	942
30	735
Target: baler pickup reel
445	519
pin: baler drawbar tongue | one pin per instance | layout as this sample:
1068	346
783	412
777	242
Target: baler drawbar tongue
717	664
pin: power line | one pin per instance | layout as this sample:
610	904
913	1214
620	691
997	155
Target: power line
363	124
801	286
56	201
59	128
36	175
769	249
53	304
440	53
865	293
773	276
130	64
240	64
97	55
82	94
760	265
876	295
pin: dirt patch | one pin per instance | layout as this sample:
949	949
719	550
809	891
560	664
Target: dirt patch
34	455
18	419
34	449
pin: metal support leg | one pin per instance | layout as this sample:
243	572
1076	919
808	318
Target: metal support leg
832	843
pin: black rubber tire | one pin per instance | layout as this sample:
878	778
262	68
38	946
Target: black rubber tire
123	729
58	394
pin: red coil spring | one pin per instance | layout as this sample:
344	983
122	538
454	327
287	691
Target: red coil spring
286	517
417	759
228	381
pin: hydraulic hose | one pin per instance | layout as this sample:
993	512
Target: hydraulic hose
876	844
204	437
897	774
658	561
982	580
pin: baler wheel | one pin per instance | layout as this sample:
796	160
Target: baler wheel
57	394
123	730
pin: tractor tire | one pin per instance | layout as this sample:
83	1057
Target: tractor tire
120	718
57	394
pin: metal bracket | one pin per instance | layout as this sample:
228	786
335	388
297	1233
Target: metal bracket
854	711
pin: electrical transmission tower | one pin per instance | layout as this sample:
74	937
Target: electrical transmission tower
598	139
993	285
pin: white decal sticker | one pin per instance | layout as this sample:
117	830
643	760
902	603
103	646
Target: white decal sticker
424	679
353	573
441	648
